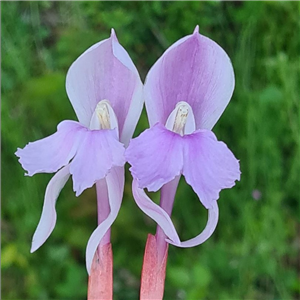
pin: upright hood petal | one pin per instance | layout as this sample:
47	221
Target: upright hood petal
105	71
196	70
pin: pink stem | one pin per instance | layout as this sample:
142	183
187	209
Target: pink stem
153	272
100	285
103	207
156	251
167	196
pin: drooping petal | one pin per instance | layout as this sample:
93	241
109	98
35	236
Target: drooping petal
105	71
213	217
209	166
53	152
98	152
155	212
115	185
196	70
164	221
156	157
48	217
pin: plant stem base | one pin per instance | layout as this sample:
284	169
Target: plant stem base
153	272
100	285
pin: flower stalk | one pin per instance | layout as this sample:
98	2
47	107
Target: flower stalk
100	284
156	250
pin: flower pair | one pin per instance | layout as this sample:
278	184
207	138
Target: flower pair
185	93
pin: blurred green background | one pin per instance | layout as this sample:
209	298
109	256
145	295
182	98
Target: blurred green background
254	253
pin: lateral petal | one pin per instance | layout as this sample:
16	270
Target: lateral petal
213	217
195	69
209	166
98	152
156	157
48	217
105	71
53	152
115	186
155	212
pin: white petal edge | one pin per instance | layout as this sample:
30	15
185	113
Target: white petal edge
137	100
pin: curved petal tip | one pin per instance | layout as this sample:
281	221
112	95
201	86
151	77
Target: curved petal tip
113	34
196	30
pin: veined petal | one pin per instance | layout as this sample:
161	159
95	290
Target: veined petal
98	152
196	70
105	71
155	212
53	152
48	217
115	186
209	166
156	157
213	217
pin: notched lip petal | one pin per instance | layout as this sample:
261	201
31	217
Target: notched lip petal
99	152
209	166
156	157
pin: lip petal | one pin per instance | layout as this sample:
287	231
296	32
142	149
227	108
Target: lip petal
97	154
209	166
156	157
195	69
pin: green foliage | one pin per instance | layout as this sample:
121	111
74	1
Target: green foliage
253	253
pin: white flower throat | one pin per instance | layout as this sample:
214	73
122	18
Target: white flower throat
103	114
103	117
181	120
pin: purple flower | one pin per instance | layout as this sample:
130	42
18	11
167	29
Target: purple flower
186	91
105	90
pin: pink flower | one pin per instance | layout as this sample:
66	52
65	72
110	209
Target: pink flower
105	90
186	91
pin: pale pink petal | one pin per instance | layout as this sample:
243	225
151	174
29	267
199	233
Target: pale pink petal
209	166
53	152
48	217
98	152
115	185
155	212
156	157
196	70
105	71
213	217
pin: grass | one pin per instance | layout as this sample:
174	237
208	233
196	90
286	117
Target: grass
254	254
